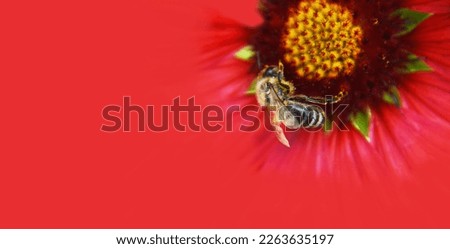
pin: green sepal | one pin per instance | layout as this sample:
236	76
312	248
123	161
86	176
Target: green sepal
415	64
252	88
261	7
412	19
361	121
392	96
245	53
328	125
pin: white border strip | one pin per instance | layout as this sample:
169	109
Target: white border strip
108	238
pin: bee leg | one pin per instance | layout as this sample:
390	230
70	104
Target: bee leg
279	131
319	100
337	98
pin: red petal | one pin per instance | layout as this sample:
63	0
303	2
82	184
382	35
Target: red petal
431	42
222	39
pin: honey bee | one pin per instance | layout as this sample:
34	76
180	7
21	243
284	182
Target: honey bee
294	111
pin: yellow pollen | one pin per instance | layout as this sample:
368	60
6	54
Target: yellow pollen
321	40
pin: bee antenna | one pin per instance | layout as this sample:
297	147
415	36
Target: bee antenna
280	66
258	60
280	71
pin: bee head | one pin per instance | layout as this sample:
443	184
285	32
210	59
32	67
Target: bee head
271	71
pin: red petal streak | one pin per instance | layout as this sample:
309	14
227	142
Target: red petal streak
222	39
430	6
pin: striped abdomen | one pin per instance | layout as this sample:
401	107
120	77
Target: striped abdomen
296	115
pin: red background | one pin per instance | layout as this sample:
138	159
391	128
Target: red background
65	60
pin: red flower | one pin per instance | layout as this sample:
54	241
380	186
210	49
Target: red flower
405	154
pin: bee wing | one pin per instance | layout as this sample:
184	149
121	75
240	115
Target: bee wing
303	99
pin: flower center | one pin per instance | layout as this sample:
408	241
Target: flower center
321	40
333	46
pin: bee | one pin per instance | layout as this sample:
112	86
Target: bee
273	91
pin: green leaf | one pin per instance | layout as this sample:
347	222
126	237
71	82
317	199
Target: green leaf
415	64
412	19
252	89
392	96
245	53
361	121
